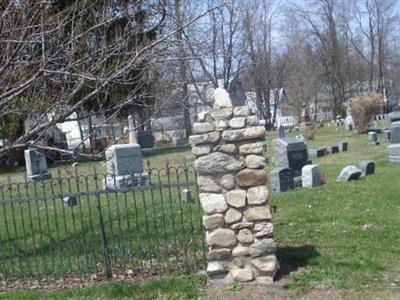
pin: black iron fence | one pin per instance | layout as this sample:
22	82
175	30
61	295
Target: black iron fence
73	225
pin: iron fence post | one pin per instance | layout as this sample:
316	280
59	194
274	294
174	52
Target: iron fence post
104	248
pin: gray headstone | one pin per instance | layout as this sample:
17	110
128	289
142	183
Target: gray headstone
177	138
394	116
367	167
386	135
282	180
372	138
395	133
124	159
125	167
349	173
281	132
343	146
36	165
394	154
290	153
311	176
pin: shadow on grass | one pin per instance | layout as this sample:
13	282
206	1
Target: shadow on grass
292	258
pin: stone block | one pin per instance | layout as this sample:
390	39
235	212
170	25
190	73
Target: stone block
205	138
250	177
257	195
213	203
201	150
241	111
202	127
221	237
236	198
252	148
257	213
244	134
238	122
214	221
217	164
255	161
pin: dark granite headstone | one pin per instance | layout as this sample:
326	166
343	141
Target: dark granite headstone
335	149
290	153
314	153
146	139
282	180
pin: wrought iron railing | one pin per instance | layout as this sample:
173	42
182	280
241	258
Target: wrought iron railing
72	225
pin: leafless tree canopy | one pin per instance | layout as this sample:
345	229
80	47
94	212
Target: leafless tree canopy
117	57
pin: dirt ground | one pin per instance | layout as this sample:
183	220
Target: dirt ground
220	291
277	292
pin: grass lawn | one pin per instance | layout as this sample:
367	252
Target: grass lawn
343	236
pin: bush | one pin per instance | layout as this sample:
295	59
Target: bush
363	108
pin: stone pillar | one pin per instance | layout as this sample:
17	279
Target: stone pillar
229	145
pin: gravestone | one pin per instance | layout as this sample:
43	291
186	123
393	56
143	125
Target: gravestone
367	167
186	196
395	133
290	153
372	138
386	135
394	153
131	130
282	180
69	201
334	149
177	138
315	153
124	166
281	132
394	116
36	166
349	173
343	146
146	139
394	147
349	121
311	176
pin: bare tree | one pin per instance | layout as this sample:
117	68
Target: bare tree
64	56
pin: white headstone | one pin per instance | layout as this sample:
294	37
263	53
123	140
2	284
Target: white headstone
222	98
310	176
131	130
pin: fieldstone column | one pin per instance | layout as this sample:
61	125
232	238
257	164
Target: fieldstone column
229	145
